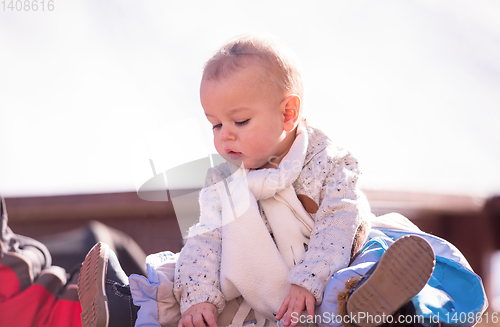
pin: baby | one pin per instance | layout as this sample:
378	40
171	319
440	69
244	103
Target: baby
293	206
283	227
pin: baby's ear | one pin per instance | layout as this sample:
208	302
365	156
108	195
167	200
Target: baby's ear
292	112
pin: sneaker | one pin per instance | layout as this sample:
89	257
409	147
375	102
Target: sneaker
103	290
401	273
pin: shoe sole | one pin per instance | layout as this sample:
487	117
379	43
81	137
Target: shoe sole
398	277
91	287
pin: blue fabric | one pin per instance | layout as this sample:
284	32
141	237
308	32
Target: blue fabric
144	290
144	295
454	296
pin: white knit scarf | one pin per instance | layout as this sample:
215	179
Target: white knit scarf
253	264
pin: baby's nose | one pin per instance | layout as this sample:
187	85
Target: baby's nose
226	133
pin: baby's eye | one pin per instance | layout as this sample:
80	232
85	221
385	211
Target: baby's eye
242	122
217	126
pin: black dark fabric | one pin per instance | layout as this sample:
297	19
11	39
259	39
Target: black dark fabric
122	311
68	249
492	211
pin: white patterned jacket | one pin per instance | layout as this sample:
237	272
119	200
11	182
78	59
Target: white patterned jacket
327	186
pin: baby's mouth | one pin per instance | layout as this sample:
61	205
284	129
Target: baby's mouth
234	155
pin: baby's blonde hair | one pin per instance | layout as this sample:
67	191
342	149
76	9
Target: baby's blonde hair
264	50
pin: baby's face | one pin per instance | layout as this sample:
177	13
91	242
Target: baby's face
247	115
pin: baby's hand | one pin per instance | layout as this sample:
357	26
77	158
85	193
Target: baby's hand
297	299
199	315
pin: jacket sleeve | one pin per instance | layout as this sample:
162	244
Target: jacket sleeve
341	210
197	272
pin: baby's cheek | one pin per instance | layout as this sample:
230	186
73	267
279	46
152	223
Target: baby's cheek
218	146
256	143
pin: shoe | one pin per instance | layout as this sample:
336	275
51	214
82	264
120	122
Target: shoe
103	290
400	274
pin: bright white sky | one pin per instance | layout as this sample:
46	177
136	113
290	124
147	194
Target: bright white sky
92	90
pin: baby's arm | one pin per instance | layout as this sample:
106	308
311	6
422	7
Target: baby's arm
197	275
342	208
